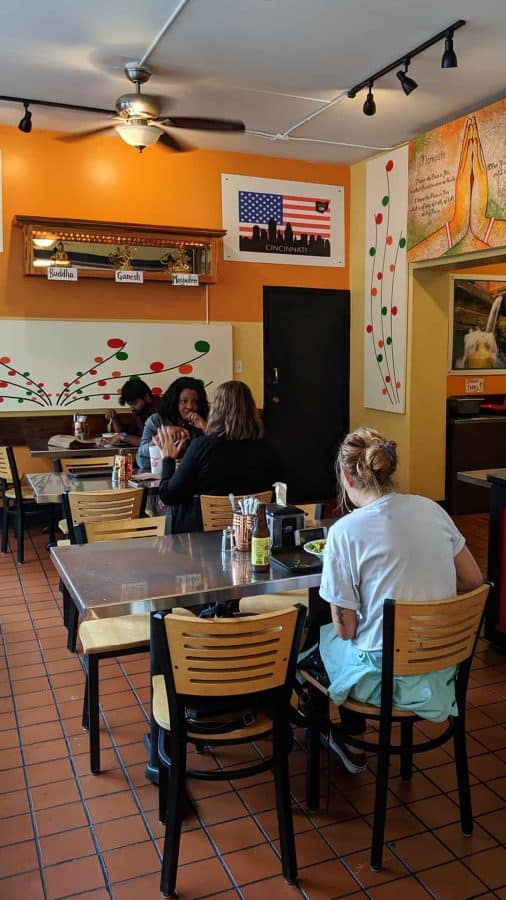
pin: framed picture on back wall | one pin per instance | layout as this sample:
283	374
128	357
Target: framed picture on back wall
284	222
477	323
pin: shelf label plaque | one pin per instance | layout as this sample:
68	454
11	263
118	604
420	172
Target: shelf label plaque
185	279
134	276
62	273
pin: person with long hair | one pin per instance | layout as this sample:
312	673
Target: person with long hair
183	413
391	545
232	457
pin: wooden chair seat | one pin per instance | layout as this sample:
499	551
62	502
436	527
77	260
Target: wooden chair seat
114	634
366	709
26	493
261	603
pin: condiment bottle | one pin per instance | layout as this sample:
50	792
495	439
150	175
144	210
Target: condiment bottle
260	542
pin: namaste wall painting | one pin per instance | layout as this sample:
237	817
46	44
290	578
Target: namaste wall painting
69	366
284	222
385	295
457	186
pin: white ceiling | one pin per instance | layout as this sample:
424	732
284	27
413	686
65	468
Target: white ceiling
269	62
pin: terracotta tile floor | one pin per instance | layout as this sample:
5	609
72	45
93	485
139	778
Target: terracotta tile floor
66	833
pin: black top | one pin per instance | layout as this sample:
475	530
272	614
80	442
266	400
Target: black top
215	465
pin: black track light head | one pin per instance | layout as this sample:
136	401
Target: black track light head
449	58
369	107
408	84
25	123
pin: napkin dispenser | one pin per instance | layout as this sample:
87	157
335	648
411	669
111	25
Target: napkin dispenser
283	522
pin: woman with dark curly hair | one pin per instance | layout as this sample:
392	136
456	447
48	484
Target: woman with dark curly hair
183	414
232	457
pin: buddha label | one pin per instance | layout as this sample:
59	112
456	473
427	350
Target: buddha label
62	273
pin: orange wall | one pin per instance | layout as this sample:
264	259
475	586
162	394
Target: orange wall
102	178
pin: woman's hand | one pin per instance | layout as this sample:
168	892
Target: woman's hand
196	420
171	441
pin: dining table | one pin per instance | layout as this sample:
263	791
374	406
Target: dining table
48	487
116	578
40	448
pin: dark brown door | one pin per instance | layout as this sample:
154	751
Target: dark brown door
306	384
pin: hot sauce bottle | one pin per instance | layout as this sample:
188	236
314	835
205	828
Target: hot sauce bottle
260	542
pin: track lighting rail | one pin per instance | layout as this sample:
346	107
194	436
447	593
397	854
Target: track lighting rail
445	33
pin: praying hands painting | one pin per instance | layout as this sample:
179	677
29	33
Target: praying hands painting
477	324
457	186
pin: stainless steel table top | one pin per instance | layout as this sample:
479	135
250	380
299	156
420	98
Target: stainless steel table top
49	486
479	477
114	578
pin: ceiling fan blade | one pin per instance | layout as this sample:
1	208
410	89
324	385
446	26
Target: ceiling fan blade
199	124
80	135
168	139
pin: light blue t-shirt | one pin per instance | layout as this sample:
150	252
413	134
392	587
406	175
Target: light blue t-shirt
400	546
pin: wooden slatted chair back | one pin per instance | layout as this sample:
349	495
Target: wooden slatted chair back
121	529
98	506
74	464
5	466
225	657
431	636
217	511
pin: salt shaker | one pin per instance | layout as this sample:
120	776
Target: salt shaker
227	538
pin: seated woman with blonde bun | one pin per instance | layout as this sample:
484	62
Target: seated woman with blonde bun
391	545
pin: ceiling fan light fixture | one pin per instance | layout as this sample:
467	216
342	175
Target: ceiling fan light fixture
138	135
25	123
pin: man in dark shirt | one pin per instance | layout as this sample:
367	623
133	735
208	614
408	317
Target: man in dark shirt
136	394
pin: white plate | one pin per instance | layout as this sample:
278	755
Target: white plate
310	548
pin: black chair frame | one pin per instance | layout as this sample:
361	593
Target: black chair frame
383	747
173	756
21	509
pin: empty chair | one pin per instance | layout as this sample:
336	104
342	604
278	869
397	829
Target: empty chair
116	636
217	511
81	507
76	463
18	503
418	638
238	674
99	506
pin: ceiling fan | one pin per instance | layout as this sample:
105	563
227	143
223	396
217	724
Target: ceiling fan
137	118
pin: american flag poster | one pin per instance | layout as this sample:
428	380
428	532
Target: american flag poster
287	222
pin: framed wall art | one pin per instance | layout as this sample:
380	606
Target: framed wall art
477	324
284	222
